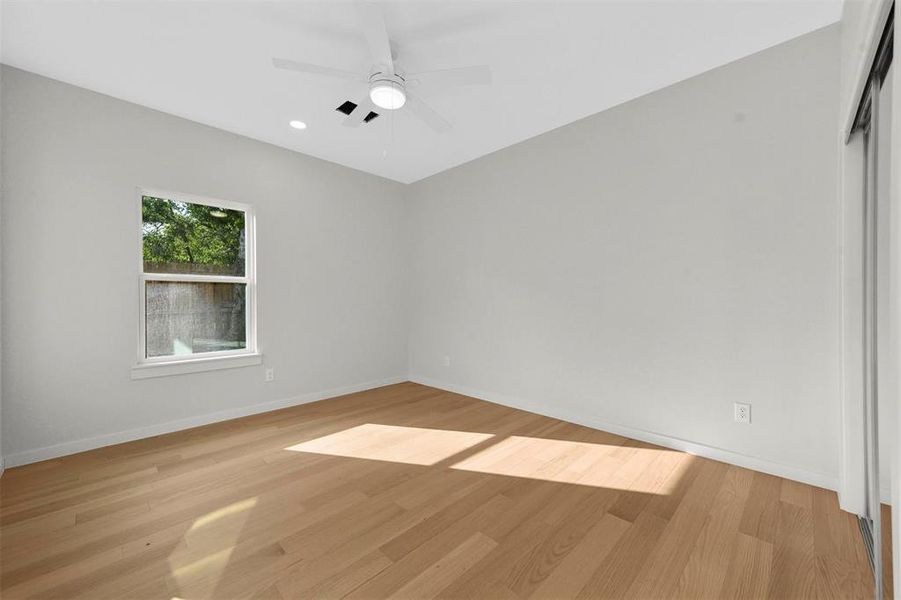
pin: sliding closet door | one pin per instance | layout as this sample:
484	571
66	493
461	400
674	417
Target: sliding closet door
883	261
871	522
879	405
887	403
871	233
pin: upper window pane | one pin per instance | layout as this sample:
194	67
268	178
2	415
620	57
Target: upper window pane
182	237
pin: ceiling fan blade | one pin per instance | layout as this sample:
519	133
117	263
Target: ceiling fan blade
460	76
358	116
376	34
302	67
427	114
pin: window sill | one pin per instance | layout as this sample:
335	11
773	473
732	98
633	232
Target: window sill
194	365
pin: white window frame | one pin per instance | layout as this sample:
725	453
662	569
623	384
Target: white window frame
201	361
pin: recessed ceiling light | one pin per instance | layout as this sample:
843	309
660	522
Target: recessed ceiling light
298	124
218	213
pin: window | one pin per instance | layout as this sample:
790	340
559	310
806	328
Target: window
197	284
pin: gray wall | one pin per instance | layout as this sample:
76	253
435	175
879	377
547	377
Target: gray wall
330	257
648	266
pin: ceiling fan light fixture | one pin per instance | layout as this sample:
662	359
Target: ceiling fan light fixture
387	94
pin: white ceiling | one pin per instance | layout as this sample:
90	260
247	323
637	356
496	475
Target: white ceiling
553	63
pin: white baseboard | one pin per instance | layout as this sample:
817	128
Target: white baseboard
66	448
720	454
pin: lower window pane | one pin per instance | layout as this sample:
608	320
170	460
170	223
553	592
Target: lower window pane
187	318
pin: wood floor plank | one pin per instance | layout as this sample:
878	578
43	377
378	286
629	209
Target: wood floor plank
660	577
413	492
576	568
705	572
625	562
519	530
356	575
486	494
307	574
888	582
430	550
750	569
646	473
430	582
796	493
761	516
793	573
838	550
568	533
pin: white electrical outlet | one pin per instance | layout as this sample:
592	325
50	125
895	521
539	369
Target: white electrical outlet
446	361
270	374
742	413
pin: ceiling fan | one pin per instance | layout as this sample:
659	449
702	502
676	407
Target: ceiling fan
389	86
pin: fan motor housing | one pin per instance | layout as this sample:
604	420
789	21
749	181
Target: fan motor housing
387	79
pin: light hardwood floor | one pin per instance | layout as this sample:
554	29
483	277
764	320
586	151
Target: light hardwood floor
412	492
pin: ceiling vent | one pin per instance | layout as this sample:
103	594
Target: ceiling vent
348	107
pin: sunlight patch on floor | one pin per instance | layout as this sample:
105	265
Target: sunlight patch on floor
630	468
210	541
223	512
394	443
212	562
581	463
